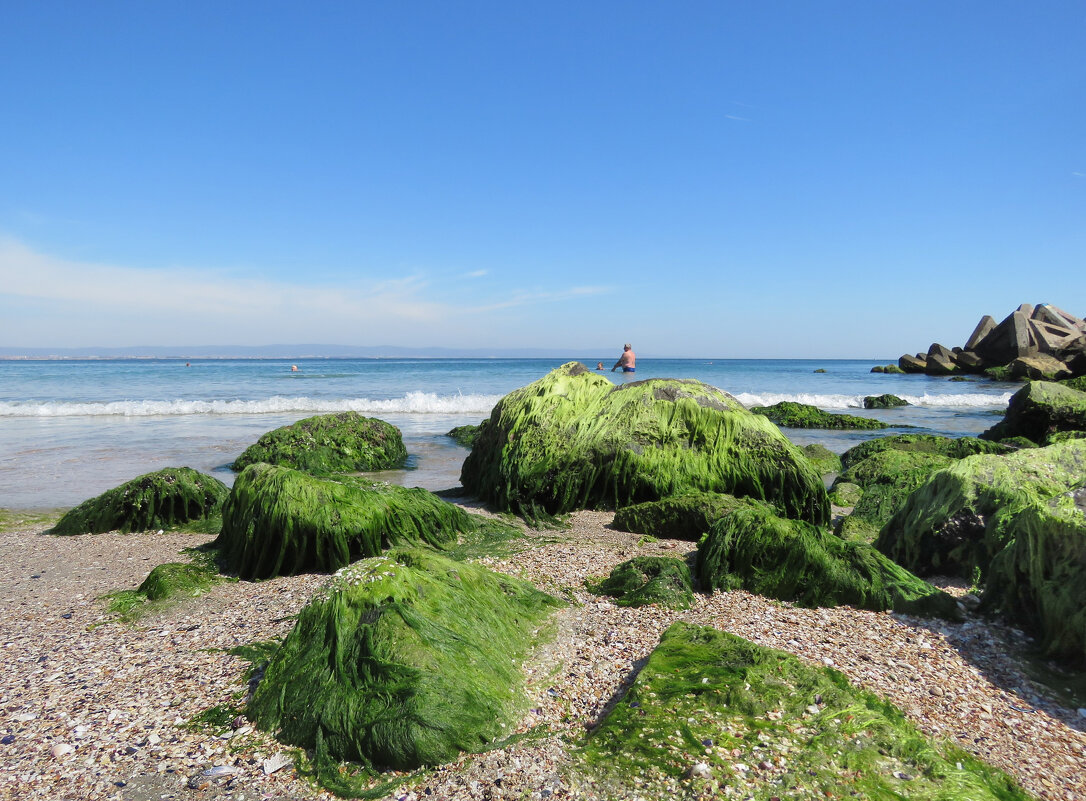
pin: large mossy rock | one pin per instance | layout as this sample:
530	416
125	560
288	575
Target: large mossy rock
329	443
686	517
163	499
1039	579
1039	409
943	527
645	580
709	696
574	440
790	560
802	415
954	447
280	522
824	460
884	401
402	660
887	478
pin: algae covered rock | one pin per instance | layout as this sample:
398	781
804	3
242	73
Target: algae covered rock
1039	409
329	443
790	560
790	414
280	522
885	401
845	494
824	460
709	696
954	447
943	526
170	497
686	517
646	580
465	435
574	440
402	660
1039	578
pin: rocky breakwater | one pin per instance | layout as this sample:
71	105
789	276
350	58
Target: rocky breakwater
1036	342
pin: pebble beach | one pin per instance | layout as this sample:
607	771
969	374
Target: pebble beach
95	708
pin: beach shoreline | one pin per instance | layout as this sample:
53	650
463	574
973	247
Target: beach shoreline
98	709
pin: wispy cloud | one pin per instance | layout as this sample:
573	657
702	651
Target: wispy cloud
1078	174
525	297
737	117
475	274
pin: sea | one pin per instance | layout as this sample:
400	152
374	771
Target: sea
71	429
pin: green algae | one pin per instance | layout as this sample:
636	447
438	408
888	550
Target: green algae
166	584
280	522
887	368
954	447
465	435
824	460
573	440
845	493
17	519
166	499
327	444
790	560
943	526
645	580
884	401
790	414
401	661
686	517
1039	409
766	725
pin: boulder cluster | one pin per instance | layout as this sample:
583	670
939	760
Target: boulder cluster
1034	342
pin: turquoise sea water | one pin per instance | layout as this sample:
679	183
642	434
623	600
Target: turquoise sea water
70	430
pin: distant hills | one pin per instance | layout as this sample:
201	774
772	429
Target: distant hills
293	352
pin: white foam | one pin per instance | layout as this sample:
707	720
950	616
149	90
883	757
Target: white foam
411	403
974	400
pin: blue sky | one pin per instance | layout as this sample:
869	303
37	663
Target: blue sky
715	179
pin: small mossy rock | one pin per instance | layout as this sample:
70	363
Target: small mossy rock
281	522
942	528
824	460
731	702
885	401
887	478
645	580
1078	382
1062	436
176	578
856	529
1038	409
326	444
954	447
163	499
887	368
790	414
1001	373
845	494
574	440
790	560
1039	579
686	517
465	435
401	661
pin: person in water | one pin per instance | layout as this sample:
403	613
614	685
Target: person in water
599	365
627	361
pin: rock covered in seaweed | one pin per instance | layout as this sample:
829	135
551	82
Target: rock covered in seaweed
686	517
954	447
280	522
574	440
943	527
402	660
745	710
646	580
802	415
326	444
170	497
1039	410
884	401
790	560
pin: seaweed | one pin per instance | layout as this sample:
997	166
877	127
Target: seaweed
646	580
686	517
802	415
954	447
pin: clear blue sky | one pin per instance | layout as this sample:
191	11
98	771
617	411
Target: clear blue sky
720	179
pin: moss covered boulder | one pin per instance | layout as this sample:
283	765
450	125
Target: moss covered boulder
1039	578
1039	409
802	415
574	440
707	696
790	560
646	580
943	527
400	661
823	459
163	499
280	522
329	443
686	517
954	447
884	401
465	435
